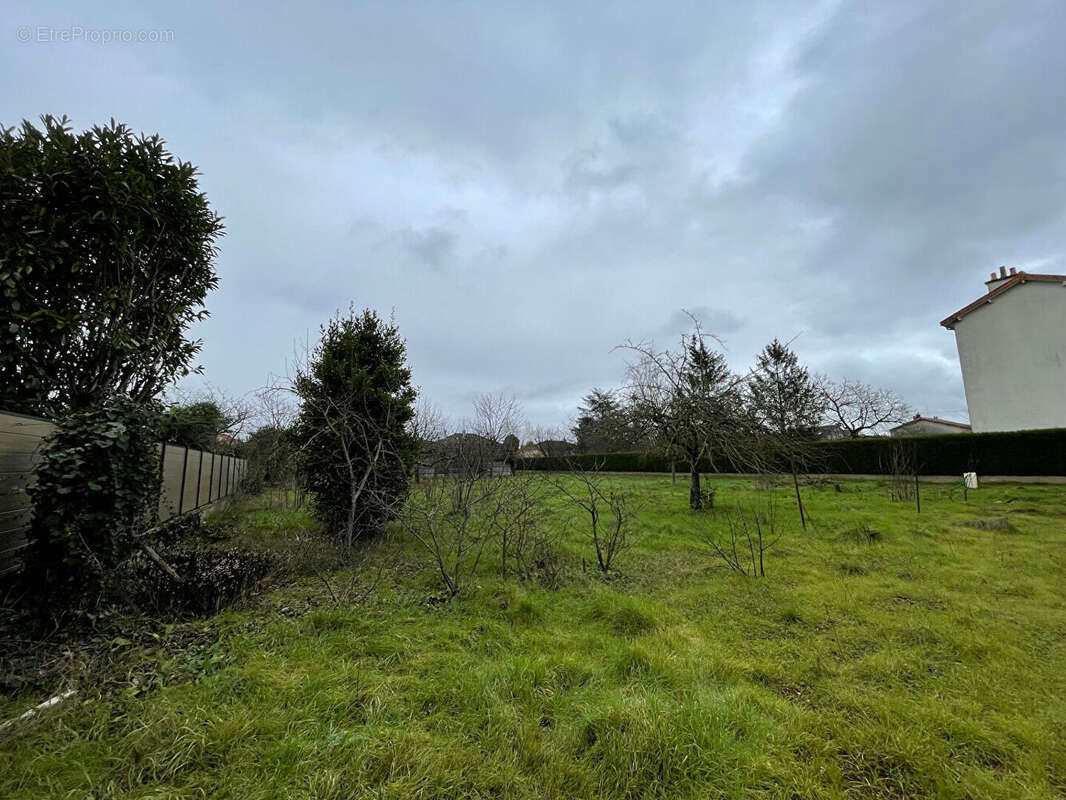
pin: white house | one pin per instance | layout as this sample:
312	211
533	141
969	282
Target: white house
928	426
1012	349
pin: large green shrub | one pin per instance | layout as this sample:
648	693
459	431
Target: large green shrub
106	251
97	488
355	451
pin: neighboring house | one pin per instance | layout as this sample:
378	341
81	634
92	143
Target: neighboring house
529	450
1012	349
830	432
928	426
549	447
465	454
555	447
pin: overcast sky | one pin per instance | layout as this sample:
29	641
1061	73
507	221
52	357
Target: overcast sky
528	185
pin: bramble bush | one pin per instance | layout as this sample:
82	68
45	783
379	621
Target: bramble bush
210	579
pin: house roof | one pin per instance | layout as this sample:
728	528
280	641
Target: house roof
1010	283
465	444
920	418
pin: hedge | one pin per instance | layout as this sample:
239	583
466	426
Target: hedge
1040	452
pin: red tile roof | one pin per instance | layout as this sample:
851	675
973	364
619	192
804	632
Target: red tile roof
1010	283
920	418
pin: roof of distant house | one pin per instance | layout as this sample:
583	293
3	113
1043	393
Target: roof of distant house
920	418
1011	281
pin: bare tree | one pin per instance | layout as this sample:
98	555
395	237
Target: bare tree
860	408
465	503
497	416
426	427
271	453
610	510
691	401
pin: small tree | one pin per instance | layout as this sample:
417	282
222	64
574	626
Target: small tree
356	451
694	404
860	408
787	403
106	251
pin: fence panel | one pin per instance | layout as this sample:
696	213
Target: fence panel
20	444
191	479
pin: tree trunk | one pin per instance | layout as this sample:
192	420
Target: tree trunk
695	501
673	472
799	500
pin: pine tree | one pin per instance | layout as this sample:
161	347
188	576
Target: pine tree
788	405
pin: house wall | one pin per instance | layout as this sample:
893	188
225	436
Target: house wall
1013	357
925	427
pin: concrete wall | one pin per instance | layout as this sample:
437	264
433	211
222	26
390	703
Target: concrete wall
1013	357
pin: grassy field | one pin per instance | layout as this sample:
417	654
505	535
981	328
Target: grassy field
927	659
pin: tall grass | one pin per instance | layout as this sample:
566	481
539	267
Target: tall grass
928	660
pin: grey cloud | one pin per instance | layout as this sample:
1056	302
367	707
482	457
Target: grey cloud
528	186
432	245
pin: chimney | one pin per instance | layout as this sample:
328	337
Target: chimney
995	280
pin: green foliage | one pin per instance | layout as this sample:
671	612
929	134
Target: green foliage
196	425
356	452
106	249
97	487
785	399
604	424
1040	452
271	455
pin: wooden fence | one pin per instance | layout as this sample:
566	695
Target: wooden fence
191	479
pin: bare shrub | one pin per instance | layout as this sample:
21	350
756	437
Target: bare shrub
527	546
445	516
900	464
610	510
750	536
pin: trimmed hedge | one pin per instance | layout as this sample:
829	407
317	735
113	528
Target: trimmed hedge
1040	452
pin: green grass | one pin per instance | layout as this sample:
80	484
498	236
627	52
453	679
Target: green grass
885	655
